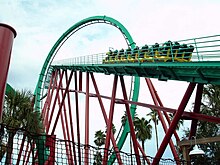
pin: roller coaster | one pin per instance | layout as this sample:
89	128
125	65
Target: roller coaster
61	83
167	52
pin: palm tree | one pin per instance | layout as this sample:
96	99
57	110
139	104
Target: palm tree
143	131
17	114
99	138
154	117
99	141
124	118
210	106
123	122
171	115
113	129
97	158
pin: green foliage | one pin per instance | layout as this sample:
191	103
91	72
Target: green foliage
124	118
171	115
18	113
155	118
97	158
113	129
143	129
16	107
210	106
99	138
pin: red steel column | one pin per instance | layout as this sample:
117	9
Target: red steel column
109	125
86	157
157	102
131	125
196	109
174	122
7	35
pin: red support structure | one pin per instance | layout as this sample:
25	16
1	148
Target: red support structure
186	115
21	149
109	125
46	108
71	123
7	35
66	124
106	119
86	157
29	153
77	115
155	99
143	153
174	123
133	136
65	134
25	153
161	104
196	109
58	99
54	103
80	81
62	102
51	143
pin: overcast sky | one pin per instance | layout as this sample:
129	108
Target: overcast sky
40	23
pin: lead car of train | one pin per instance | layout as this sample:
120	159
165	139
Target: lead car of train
167	52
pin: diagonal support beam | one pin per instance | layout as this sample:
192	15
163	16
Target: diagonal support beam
131	125
157	101
174	123
196	109
109	125
106	119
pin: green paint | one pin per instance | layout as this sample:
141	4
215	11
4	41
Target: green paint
58	44
9	89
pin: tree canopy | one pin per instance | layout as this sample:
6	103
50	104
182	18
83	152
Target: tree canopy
210	106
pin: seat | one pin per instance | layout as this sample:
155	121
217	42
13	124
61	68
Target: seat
144	54
121	56
188	54
107	58
163	53
128	54
134	55
181	53
113	57
175	50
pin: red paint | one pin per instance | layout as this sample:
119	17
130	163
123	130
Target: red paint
7	35
51	143
109	125
77	114
86	157
131	125
196	109
106	119
157	101
173	124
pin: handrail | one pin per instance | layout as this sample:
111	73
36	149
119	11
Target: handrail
205	49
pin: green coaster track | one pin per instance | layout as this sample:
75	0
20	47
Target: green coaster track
46	66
